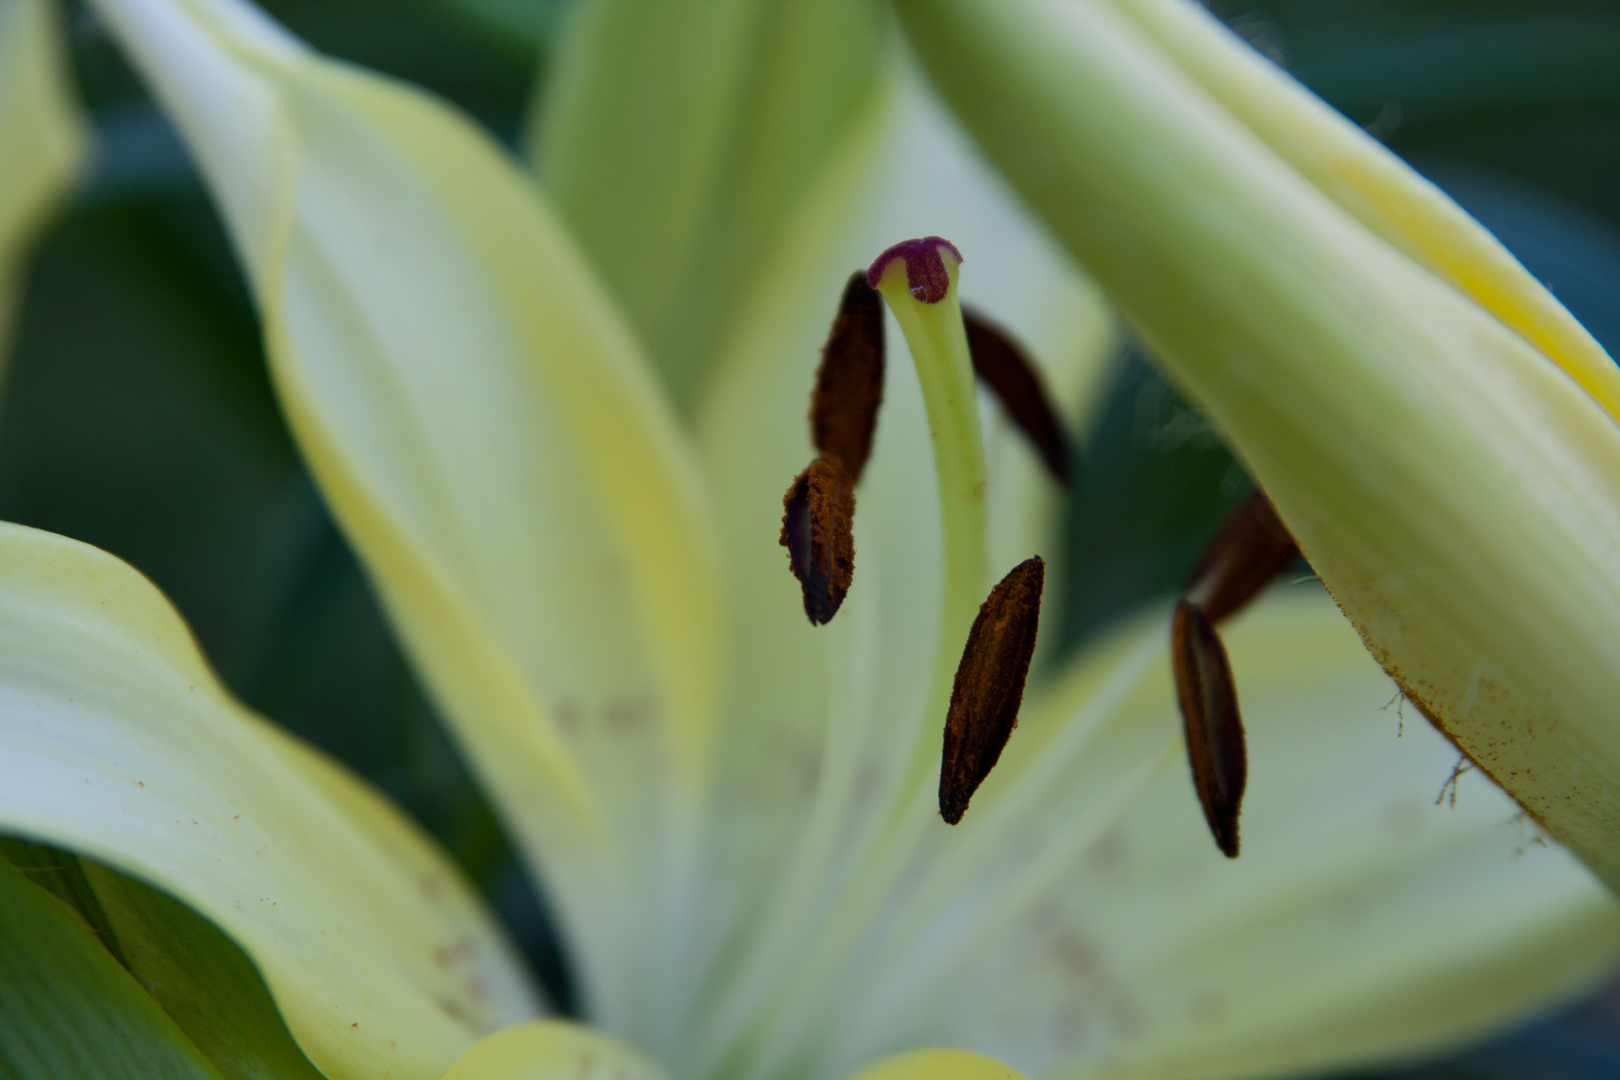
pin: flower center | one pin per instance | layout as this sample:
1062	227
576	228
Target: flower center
977	688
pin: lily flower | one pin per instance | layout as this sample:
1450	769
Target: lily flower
733	811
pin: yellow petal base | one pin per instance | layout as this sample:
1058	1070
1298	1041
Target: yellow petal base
551	1050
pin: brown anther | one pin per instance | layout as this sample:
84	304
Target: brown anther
818	516
989	685
1251	549
818	511
1006	370
1209	712
849	382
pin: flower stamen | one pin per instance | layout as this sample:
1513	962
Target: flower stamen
918	280
818	511
818	519
989	685
849	382
1002	366
1251	549
1209	708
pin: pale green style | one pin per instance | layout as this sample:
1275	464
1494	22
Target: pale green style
1434	428
938	341
569	505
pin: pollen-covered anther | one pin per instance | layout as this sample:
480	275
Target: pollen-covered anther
818	511
926	275
1209	712
1248	552
989	686
818	516
1002	366
849	382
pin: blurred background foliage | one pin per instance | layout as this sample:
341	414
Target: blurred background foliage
137	414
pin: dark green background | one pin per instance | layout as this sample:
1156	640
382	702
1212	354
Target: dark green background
137	414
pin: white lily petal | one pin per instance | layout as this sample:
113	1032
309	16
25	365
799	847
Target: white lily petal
1091	928
489	438
1451	484
41	135
116	741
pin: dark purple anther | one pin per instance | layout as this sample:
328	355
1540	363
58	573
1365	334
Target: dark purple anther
925	269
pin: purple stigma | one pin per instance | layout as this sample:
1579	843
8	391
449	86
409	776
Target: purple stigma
925	270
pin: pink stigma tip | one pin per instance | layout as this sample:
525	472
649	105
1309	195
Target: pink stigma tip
925	269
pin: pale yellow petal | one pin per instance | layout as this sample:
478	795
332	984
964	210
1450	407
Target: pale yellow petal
552	1050
117	741
938	1065
41	136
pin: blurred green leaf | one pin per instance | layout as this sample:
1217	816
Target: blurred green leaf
61	874
196	974
534	21
202	980
67	1009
